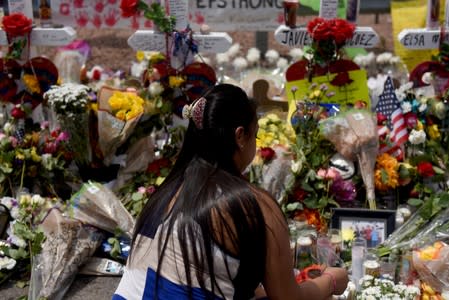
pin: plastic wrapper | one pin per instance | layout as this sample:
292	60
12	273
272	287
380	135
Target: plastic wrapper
68	245
432	264
98	206
112	132
277	173
354	135
102	267
138	156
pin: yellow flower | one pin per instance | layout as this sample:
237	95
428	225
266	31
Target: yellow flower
94	107
20	156
140	55
34	156
386	166
155	57
31	83
419	126
347	234
121	115
433	132
175	81
159	180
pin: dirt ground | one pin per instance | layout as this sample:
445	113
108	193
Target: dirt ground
110	48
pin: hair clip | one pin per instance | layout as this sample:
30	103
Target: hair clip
195	111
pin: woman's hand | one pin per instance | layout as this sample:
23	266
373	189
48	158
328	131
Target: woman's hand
340	276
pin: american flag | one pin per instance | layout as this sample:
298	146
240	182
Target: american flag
388	106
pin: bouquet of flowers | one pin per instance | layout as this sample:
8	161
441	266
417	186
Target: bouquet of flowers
119	111
37	160
70	102
329	37
317	185
385	288
24	237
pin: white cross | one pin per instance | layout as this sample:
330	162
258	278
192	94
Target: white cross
364	37
429	37
149	40
39	36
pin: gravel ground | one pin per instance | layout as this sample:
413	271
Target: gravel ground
110	48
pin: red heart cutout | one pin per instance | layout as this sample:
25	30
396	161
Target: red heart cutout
298	70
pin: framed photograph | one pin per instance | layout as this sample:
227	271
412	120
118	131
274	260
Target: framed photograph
373	225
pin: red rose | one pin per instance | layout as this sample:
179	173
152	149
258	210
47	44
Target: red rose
299	194
381	119
129	8
17	24
425	169
156	166
18	113
411	119
267	153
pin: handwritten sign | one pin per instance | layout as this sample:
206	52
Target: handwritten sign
364	37
21	6
179	10
148	40
345	96
421	38
46	36
328	9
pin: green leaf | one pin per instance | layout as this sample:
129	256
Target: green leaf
438	170
294	206
137	196
415	202
444	200
311	203
307	187
21	284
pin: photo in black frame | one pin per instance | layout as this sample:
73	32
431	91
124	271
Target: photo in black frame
373	225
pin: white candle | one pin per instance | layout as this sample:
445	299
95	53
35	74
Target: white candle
357	256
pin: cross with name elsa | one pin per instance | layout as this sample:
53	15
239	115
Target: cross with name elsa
429	37
151	40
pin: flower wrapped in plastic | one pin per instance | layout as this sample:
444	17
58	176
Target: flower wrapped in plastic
68	245
354	135
97	205
70	102
119	111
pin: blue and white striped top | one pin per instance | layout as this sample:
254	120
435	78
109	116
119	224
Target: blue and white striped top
140	273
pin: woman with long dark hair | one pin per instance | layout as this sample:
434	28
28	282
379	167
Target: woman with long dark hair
207	233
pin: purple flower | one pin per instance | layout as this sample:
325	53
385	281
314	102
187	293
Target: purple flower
343	190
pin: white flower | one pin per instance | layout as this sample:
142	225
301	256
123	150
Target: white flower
253	56
156	88
7	263
384	58
395	60
296	166
272	56
9	202
14	212
296	54
8	128
222	58
282	63
37	200
240	63
417	137
137	69
14	239
406	107
234	50
427	78
422	107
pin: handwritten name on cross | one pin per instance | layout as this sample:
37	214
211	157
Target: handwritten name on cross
429	37
39	36
364	37
150	40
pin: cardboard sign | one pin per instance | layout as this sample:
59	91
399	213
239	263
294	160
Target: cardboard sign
345	96
220	15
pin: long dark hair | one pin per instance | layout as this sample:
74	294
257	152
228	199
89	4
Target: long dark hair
214	203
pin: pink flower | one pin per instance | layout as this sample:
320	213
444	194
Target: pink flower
142	190
331	174
13	141
45	125
2	136
63	136
151	189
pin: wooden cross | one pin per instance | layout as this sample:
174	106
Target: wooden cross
429	37
150	40
39	36
364	37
